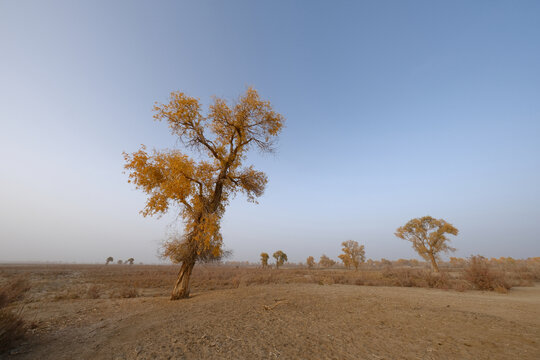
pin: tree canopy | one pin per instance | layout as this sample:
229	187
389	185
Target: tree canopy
353	254
428	237
201	189
280	257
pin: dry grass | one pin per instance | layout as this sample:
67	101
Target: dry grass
71	282
128	292
12	326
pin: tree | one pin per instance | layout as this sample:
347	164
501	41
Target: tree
280	257
310	261
200	188
130	261
109	260
119	262
326	261
353	254
428	237
264	259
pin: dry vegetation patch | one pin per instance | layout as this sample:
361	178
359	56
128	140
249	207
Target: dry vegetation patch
103	308
12	325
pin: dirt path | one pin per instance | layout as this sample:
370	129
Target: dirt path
306	322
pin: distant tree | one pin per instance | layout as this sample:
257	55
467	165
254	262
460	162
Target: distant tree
202	187
428	237
109	260
386	262
310	261
325	261
264	259
353	254
130	261
119	262
280	257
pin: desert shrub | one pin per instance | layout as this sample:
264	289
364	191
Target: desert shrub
396	277
461	285
235	282
439	280
68	294
14	290
128	292
478	273
93	292
12	326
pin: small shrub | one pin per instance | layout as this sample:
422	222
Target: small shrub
93	292
128	292
12	326
461	285
67	295
478	273
235	282
436	280
13	291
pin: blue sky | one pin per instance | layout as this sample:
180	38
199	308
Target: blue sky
395	110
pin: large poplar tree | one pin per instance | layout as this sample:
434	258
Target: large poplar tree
200	189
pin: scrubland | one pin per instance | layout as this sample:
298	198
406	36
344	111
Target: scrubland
382	311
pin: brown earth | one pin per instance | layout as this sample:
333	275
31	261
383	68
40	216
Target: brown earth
290	321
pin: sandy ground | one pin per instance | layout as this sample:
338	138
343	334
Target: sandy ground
295	321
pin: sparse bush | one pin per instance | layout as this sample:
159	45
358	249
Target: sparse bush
14	290
71	294
128	292
12	326
461	285
438	280
93	292
478	273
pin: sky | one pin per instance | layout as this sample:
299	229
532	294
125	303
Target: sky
394	110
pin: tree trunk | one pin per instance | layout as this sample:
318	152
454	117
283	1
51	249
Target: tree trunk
434	263
181	287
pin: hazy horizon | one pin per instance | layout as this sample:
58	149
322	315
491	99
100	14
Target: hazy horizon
394	110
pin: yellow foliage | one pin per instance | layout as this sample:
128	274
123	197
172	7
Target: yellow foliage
326	261
280	257
264	259
428	236
353	254
201	189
